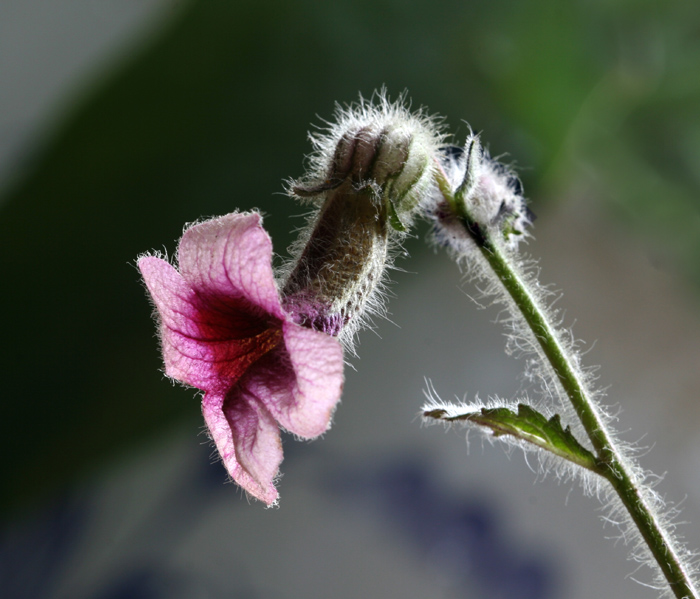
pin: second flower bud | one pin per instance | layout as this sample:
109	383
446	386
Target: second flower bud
369	174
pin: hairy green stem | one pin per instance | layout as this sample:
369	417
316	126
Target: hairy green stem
612	465
611	462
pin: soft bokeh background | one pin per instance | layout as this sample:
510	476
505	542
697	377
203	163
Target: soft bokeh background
121	120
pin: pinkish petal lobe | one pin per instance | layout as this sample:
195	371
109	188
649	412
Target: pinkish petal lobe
207	342
248	440
231	256
173	297
301	386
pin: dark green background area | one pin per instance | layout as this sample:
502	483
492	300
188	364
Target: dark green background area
597	98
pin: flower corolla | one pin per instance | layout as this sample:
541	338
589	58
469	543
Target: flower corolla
223	330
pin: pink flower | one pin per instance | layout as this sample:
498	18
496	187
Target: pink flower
224	331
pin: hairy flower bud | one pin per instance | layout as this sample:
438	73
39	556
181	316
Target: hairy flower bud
369	174
487	193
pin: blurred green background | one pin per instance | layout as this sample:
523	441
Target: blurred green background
209	113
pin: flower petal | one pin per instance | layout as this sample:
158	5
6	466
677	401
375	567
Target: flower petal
231	256
248	440
173	297
206	345
302	385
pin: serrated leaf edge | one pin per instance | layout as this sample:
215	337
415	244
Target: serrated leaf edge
527	424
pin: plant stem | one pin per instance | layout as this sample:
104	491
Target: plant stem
612	464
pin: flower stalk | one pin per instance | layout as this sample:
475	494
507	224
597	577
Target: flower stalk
612	465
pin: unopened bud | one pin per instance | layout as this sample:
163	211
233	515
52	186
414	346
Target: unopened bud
487	194
369	174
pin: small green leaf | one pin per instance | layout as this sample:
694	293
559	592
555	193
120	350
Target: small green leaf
527	425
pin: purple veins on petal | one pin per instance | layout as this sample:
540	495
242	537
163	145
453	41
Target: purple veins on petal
223	330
